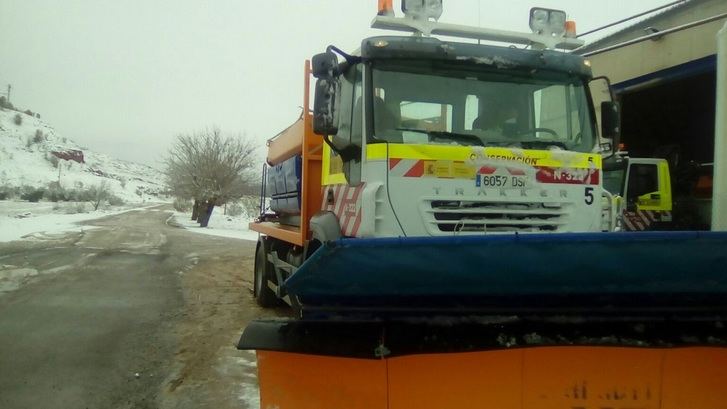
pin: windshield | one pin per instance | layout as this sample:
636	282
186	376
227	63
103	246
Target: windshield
465	105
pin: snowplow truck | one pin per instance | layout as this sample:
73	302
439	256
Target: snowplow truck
417	137
437	221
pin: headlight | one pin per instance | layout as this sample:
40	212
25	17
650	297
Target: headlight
547	21
422	9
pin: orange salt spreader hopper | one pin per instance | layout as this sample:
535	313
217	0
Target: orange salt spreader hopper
297	140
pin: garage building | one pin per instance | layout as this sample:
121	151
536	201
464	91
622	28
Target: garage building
663	71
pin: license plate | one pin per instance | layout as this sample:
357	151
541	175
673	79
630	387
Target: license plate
501	181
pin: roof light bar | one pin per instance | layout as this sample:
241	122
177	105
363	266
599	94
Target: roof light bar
549	26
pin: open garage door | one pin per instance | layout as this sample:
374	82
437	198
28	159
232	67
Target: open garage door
672	117
678	113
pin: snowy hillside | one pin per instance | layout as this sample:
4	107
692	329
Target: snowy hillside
32	154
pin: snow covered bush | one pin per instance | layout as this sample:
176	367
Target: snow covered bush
97	194
56	193
235	209
18	119
73	208
32	194
71	195
114	200
39	137
8	192
53	161
181	205
251	205
80	207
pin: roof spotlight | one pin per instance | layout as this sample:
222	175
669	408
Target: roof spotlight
422	9
547	21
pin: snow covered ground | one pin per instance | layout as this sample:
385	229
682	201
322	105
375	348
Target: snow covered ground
219	225
25	220
27	159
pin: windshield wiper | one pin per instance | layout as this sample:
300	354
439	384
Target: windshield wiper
542	144
461	138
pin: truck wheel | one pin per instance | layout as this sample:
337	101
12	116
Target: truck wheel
264	296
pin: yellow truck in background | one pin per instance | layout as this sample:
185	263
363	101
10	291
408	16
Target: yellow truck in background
649	199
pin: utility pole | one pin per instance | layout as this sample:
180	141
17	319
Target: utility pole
9	87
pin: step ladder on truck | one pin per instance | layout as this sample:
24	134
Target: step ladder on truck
437	220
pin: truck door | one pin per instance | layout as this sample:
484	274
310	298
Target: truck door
647	195
341	177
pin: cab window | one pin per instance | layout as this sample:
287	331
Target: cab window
643	179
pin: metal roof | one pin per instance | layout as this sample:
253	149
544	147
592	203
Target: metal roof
639	25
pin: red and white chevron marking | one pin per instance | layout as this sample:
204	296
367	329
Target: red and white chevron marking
408	168
345	202
643	219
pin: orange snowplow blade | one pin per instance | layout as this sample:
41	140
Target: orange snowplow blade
527	378
317	382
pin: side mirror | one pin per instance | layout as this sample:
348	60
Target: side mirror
603	100
325	107
324	65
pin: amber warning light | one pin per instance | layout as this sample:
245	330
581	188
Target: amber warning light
570	29
386	8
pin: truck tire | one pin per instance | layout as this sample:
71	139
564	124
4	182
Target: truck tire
264	296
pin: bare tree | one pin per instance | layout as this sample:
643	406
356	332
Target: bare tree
209	168
97	194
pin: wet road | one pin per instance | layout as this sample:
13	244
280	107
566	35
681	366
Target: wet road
135	313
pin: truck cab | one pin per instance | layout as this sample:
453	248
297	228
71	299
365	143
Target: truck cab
644	186
414	136
432	138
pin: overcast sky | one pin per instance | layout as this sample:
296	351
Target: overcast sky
124	77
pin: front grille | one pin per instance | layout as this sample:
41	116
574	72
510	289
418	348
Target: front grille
462	216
